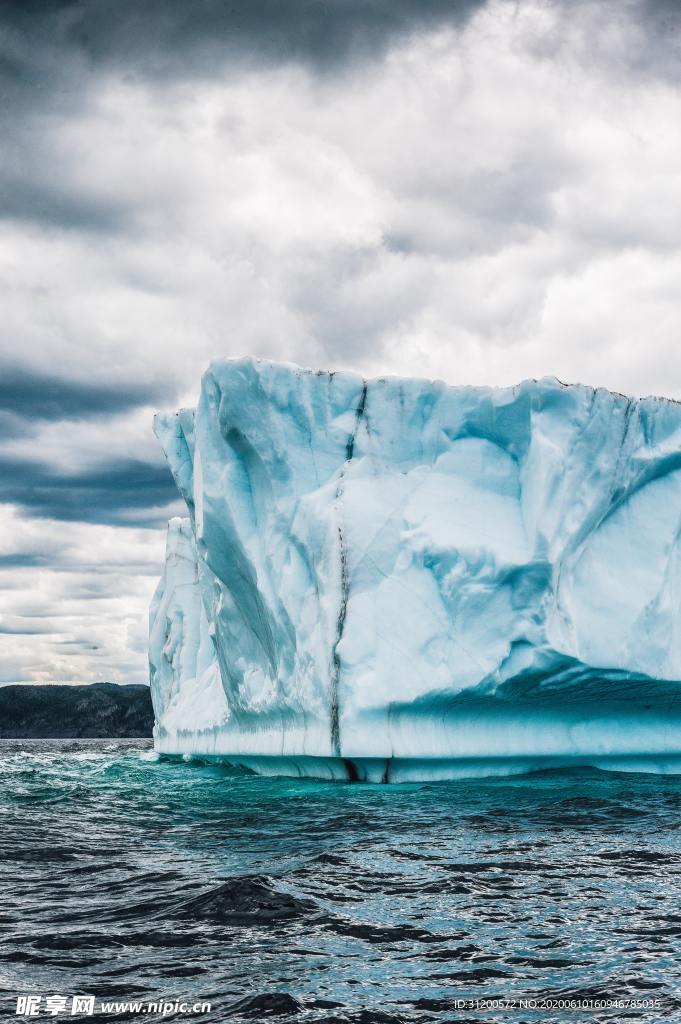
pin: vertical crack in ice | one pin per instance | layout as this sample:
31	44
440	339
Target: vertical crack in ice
345	586
340	626
350	446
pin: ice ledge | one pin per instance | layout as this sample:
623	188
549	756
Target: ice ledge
395	771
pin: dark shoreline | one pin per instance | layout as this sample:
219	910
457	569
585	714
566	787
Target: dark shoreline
93	711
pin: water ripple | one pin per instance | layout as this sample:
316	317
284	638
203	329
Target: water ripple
128	876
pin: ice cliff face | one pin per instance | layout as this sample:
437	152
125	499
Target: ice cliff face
396	578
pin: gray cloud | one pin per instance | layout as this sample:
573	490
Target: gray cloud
52	46
53	52
25	560
31	395
128	492
36	197
169	37
22	631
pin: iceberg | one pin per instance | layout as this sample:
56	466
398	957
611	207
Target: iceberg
394	579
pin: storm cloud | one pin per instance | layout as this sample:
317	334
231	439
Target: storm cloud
131	492
36	395
170	37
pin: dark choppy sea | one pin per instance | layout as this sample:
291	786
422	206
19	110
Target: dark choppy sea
548	897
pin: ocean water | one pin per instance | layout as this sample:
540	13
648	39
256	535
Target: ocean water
547	897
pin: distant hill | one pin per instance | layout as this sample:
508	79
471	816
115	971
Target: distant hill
70	712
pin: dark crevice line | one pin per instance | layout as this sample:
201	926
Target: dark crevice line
350	446
345	588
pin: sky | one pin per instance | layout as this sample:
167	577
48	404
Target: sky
478	191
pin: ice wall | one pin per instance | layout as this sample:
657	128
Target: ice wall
396	578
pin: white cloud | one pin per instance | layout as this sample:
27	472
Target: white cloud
80	614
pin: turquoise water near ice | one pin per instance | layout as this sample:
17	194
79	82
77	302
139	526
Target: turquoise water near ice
130	877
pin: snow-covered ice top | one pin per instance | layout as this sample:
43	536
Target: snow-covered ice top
392	568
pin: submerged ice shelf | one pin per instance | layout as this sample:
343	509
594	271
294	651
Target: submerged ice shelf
395	579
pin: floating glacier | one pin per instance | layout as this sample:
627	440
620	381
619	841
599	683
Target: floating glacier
396	579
